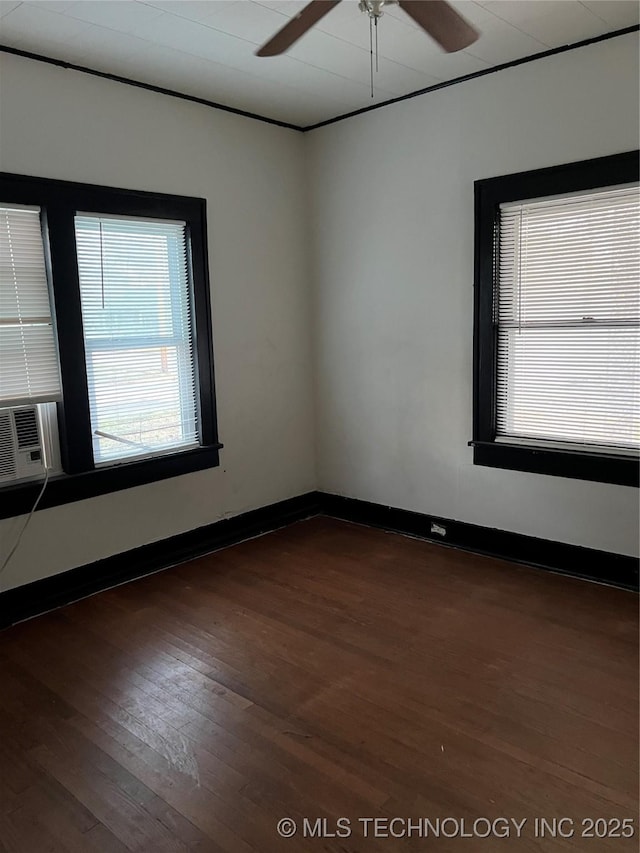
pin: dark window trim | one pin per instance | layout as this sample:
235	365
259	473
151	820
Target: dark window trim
489	194
59	202
19	498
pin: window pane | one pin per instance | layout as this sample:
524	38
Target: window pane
28	354
574	385
571	258
568	318
136	309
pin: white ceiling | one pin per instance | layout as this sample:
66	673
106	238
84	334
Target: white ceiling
206	47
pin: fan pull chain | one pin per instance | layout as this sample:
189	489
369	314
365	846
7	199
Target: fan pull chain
373	22
376	23
371	51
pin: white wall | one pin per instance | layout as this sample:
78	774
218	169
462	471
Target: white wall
392	213
393	226
63	124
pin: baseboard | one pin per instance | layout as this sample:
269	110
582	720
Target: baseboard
587	563
43	595
40	596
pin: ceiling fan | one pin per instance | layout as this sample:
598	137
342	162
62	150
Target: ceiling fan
436	17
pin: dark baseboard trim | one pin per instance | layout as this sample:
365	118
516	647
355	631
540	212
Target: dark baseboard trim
38	597
41	596
586	563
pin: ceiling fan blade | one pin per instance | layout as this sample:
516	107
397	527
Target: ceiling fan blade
442	22
297	27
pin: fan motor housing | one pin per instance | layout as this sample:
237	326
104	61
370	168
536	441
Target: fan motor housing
373	8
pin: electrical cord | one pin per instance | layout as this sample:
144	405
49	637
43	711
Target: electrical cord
26	524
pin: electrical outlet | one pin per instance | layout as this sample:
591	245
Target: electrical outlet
437	528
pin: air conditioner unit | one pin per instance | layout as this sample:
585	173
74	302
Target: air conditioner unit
21	447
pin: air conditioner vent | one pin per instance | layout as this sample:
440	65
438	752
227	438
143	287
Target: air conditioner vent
7	456
21	447
26	428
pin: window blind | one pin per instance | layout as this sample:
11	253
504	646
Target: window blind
567	311
29	370
138	336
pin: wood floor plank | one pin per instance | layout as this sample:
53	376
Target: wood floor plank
324	671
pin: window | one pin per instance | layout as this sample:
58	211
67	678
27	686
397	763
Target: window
557	321
28	356
105	324
136	317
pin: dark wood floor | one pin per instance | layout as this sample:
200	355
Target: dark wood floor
326	670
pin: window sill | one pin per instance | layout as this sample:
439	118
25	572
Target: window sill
19	498
576	464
